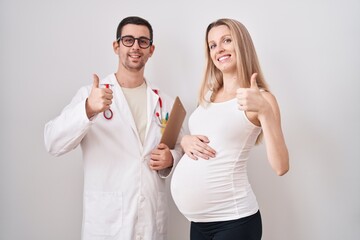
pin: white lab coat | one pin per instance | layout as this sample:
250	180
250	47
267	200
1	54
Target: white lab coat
123	198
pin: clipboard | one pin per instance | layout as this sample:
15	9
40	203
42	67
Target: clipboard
174	124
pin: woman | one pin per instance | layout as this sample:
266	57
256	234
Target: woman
236	109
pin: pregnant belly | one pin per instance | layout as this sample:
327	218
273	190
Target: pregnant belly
188	185
202	187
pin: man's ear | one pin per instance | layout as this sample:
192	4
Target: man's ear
152	49
116	46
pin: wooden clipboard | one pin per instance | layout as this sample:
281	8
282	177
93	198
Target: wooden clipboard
174	124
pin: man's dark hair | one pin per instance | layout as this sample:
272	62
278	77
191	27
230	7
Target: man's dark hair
133	20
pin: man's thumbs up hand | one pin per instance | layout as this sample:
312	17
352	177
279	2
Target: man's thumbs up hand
99	99
96	81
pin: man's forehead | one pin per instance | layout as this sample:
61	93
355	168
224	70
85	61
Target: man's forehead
135	30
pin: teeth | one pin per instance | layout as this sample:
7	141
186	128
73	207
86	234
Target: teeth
223	58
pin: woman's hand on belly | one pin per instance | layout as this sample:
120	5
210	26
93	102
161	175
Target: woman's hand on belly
197	146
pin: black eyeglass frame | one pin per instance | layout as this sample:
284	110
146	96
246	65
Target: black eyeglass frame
134	38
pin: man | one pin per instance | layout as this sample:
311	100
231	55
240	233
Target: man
118	123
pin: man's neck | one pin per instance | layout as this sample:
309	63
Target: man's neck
129	79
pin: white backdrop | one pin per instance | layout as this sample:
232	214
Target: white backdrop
310	54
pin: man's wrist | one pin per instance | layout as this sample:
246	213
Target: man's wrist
89	112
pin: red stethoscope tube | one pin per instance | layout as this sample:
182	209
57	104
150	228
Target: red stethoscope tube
108	114
159	115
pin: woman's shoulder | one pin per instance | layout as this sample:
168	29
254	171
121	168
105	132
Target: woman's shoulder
270	97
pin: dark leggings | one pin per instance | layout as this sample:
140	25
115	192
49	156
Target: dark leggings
247	228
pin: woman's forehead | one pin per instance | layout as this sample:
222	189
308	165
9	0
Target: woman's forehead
218	32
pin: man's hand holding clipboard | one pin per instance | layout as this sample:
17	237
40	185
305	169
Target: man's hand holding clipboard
174	124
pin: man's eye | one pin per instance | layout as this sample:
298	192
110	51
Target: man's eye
143	41
128	40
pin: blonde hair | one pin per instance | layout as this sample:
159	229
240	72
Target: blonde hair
247	61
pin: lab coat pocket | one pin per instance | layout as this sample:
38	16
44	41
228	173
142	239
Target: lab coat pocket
161	212
102	213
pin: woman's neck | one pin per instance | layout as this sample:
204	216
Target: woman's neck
228	90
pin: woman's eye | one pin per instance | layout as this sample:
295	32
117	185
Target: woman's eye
227	40
212	46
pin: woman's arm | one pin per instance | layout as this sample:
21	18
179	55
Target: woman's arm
262	109
270	120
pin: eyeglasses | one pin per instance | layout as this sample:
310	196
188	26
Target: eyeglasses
129	41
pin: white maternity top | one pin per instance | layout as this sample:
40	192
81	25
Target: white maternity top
217	189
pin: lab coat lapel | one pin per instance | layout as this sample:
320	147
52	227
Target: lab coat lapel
152	101
124	109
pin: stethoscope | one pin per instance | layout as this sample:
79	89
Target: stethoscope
108	114
161	119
